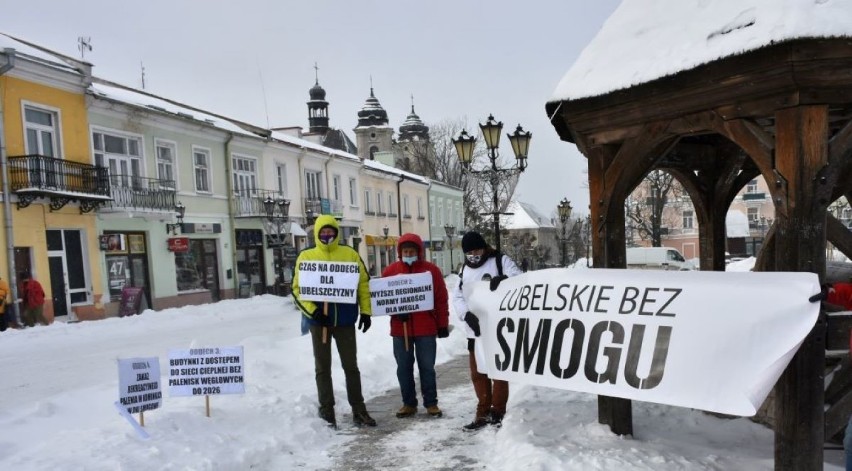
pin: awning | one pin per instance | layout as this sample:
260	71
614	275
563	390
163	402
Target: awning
389	241
297	230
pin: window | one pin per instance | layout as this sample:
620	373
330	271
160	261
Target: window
201	163
391	206
353	192
281	179
753	215
688	219
313	190
440	214
419	208
335	188
752	186
245	175
41	131
379	203
367	201
166	152
405	212
121	154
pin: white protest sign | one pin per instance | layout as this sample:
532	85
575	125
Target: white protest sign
139	384
707	340
402	294
206	371
334	282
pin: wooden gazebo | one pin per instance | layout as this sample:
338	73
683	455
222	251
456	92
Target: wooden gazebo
783	111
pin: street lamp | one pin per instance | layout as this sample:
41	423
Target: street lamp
491	129
564	208
279	221
180	209
450	230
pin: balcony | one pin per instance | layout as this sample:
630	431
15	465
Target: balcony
318	206
131	193
249	203
754	196
61	181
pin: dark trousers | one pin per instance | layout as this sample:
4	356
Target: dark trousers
491	396
344	338
423	347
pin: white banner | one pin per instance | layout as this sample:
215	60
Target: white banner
334	282
402	294
206	371
707	340
139	384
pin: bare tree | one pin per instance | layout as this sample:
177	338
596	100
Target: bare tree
645	208
437	159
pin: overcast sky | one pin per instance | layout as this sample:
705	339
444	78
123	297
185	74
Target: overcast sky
253	58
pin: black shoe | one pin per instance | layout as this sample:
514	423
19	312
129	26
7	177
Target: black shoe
363	418
496	419
477	424
332	422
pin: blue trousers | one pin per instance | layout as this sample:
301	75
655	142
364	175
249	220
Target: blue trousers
423	349
847	444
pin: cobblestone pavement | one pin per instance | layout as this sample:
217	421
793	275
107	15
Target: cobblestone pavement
412	443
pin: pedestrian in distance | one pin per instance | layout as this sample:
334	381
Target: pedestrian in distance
482	263
32	300
414	334
337	320
4	297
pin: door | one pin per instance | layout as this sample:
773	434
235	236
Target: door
59	294
68	270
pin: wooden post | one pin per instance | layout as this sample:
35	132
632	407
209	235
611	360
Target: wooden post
142	418
324	328
800	152
405	334
207	405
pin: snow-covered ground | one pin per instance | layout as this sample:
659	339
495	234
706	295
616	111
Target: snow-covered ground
59	384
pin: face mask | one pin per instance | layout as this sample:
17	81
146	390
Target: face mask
325	239
409	260
474	259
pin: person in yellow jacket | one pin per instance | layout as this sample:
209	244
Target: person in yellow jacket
4	296
334	320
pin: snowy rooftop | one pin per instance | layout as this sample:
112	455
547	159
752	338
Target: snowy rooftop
645	40
525	217
372	164
40	54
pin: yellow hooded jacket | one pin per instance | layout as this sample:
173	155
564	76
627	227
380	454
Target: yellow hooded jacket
341	314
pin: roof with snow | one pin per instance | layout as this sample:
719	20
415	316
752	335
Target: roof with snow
524	216
378	166
644	40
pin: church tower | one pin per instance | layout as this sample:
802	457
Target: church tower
373	134
317	109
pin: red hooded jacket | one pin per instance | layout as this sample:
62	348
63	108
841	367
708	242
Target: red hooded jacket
425	322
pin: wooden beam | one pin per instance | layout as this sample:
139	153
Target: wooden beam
838	235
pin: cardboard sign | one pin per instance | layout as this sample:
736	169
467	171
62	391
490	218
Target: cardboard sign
206	371
131	301
402	294
655	336
335	282
139	384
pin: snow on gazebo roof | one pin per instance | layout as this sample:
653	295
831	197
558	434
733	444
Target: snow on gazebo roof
524	216
644	40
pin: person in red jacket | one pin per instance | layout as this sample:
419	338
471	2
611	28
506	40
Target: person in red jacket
414	334
32	300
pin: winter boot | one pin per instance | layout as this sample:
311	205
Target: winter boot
477	424
496	419
329	417
434	411
406	411
363	418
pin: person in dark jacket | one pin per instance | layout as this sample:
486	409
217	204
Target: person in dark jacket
336	320
482	263
414	334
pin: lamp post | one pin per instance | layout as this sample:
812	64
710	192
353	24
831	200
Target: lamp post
564	209
450	230
279	221
491	129
180	209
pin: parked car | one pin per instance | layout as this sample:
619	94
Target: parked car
657	258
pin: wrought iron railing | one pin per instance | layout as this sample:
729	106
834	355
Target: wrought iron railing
132	192
312	206
249	203
49	174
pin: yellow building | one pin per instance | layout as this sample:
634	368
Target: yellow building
51	184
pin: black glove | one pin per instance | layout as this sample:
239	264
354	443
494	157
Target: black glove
443	332
320	318
473	322
495	282
364	323
402	317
